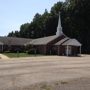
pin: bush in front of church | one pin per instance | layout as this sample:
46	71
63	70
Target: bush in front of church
32	51
53	51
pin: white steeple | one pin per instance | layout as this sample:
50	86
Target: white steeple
59	28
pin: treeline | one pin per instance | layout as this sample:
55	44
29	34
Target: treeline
75	19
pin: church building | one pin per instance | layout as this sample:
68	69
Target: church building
63	44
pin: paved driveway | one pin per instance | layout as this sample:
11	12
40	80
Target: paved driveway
18	73
3	56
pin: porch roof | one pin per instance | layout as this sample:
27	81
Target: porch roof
72	42
1	43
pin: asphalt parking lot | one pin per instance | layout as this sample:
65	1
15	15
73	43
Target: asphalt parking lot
21	73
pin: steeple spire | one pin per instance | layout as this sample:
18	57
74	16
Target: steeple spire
59	28
59	21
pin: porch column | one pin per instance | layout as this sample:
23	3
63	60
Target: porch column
2	47
58	49
80	50
67	50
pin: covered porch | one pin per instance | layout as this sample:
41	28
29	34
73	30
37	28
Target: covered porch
1	47
71	43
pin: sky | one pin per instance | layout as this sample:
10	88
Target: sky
14	13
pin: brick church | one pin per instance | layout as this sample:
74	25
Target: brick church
63	44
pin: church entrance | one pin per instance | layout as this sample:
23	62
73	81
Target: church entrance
68	50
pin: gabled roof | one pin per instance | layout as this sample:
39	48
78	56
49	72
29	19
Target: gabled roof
61	41
72	42
44	40
14	40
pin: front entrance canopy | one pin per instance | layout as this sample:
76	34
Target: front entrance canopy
72	42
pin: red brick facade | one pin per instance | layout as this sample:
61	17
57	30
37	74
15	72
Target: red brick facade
61	50
40	49
45	49
11	48
50	44
74	50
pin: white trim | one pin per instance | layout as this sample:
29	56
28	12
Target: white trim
80	50
58	49
72	42
66	36
67	50
52	40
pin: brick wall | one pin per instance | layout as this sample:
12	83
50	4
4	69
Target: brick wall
40	48
5	47
62	50
74	50
50	44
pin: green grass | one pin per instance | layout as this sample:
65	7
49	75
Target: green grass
13	55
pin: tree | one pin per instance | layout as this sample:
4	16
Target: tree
79	13
75	20
16	33
11	34
24	30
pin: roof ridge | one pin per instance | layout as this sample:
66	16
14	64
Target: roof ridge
14	37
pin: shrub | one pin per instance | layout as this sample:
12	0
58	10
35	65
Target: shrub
28	46
17	49
32	50
54	51
7	51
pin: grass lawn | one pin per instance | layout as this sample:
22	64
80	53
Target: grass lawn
13	55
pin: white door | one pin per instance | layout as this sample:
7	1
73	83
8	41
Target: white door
69	50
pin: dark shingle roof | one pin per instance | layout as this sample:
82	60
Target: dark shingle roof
61	41
44	40
14	41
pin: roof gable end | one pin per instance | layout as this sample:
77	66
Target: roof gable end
73	42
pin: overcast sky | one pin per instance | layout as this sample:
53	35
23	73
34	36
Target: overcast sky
14	13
